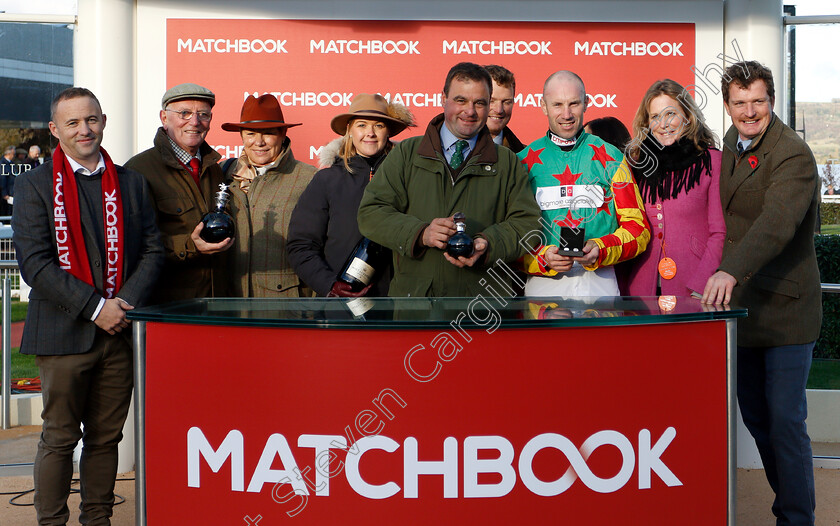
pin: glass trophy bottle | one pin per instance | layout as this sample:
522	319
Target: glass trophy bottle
460	244
218	225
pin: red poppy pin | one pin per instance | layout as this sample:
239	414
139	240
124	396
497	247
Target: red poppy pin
753	160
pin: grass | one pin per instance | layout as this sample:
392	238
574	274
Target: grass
825	374
19	310
23	365
830	229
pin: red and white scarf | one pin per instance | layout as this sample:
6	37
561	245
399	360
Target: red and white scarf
69	238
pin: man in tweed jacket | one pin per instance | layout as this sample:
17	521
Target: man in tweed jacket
770	194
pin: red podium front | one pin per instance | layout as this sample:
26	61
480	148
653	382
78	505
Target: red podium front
435	412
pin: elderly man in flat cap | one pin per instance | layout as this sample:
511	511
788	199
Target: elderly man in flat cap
266	182
184	176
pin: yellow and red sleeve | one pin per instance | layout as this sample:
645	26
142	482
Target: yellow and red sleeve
633	233
533	263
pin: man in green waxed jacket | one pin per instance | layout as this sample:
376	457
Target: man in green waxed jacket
455	167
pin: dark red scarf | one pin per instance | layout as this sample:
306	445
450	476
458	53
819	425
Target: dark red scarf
72	253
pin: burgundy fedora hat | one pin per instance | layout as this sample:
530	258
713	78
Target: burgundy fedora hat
259	114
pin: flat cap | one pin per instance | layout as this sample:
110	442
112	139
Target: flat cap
188	90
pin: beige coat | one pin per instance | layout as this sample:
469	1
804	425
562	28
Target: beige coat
259	266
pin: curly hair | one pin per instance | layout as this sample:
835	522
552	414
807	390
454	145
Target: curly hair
743	74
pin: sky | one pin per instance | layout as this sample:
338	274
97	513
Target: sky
817	72
817	68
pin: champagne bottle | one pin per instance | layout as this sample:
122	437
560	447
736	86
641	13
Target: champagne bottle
218	225
366	260
460	244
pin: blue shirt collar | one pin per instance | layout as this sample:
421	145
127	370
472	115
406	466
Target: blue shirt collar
448	140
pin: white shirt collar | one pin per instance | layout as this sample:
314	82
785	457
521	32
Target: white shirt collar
499	139
79	169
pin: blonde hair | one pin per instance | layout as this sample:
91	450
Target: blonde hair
696	129
348	149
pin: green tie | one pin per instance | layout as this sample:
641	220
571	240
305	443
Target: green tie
458	157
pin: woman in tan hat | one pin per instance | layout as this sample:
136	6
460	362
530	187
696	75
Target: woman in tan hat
323	230
265	184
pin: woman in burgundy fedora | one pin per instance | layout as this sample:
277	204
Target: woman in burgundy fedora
323	230
265	184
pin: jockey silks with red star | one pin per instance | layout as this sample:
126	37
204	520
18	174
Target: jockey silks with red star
588	186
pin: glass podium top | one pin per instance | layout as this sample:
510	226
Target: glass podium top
414	313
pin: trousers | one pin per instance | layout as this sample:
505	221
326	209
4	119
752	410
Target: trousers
94	389
771	395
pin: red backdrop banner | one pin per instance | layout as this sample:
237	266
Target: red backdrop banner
593	425
315	67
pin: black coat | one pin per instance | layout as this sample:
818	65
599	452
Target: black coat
323	228
58	321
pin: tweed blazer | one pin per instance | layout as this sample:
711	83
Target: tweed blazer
259	265
770	198
60	305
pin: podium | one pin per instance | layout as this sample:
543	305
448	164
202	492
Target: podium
481	410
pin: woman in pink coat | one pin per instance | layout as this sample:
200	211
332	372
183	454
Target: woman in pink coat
677	167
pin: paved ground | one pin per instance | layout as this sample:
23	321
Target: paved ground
18	446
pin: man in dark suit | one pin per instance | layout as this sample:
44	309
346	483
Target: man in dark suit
88	245
770	193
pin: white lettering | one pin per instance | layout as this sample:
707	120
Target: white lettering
321	443
652	49
368	47
274	446
601	100
231	447
503	465
314	152
236	45
577	460
496	47
311	98
354	478
649	459
413	468
416	100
